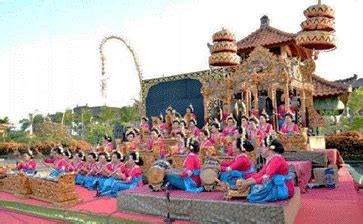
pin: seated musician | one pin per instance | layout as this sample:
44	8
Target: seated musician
132	177
90	168
183	125
216	137
273	181
230	130
27	165
107	144
289	127
179	147
193	130
282	111
117	167
169	118
204	138
256	136
60	163
162	126
138	139
244	122
176	128
156	139
86	168
240	167
144	125
189	178
264	125
101	170
76	164
189	115
131	144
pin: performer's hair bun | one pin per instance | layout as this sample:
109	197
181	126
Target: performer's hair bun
276	146
136	158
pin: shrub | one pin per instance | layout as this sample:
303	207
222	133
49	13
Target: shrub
349	144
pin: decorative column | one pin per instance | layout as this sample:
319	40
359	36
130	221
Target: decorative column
287	97
248	102
272	92
255	95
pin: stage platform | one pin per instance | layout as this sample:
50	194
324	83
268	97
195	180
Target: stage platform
207	207
341	205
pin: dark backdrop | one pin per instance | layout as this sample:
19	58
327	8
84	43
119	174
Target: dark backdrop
179	94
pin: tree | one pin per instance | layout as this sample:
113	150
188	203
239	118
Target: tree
57	118
356	106
107	114
4	120
129	114
97	130
67	117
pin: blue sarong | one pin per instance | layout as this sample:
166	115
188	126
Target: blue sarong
105	187
187	184
29	172
273	190
56	173
119	185
79	179
231	177
90	182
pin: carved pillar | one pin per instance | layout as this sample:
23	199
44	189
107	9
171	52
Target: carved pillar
248	102
255	96
303	106
272	95
287	98
206	98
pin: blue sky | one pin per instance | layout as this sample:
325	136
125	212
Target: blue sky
49	56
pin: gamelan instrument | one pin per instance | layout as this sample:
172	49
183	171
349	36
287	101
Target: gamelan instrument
208	176
156	174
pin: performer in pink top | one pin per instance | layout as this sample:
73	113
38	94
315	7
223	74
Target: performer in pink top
204	139
179	147
132	143
193	130
264	126
176	128
189	115
132	177
189	178
154	140
27	164
230	130
255	136
289	128
107	143
60	163
273	182
244	122
144	125
240	167
216	137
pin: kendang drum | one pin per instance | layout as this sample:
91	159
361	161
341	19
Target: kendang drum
209	176
156	174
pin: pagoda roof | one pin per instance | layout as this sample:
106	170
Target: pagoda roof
324	88
265	36
347	81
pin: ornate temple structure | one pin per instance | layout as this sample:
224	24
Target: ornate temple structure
272	63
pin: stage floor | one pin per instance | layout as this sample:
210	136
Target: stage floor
208	207
341	205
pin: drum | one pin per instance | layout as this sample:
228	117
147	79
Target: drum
156	174
208	178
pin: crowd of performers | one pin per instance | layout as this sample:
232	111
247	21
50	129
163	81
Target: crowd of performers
111	170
